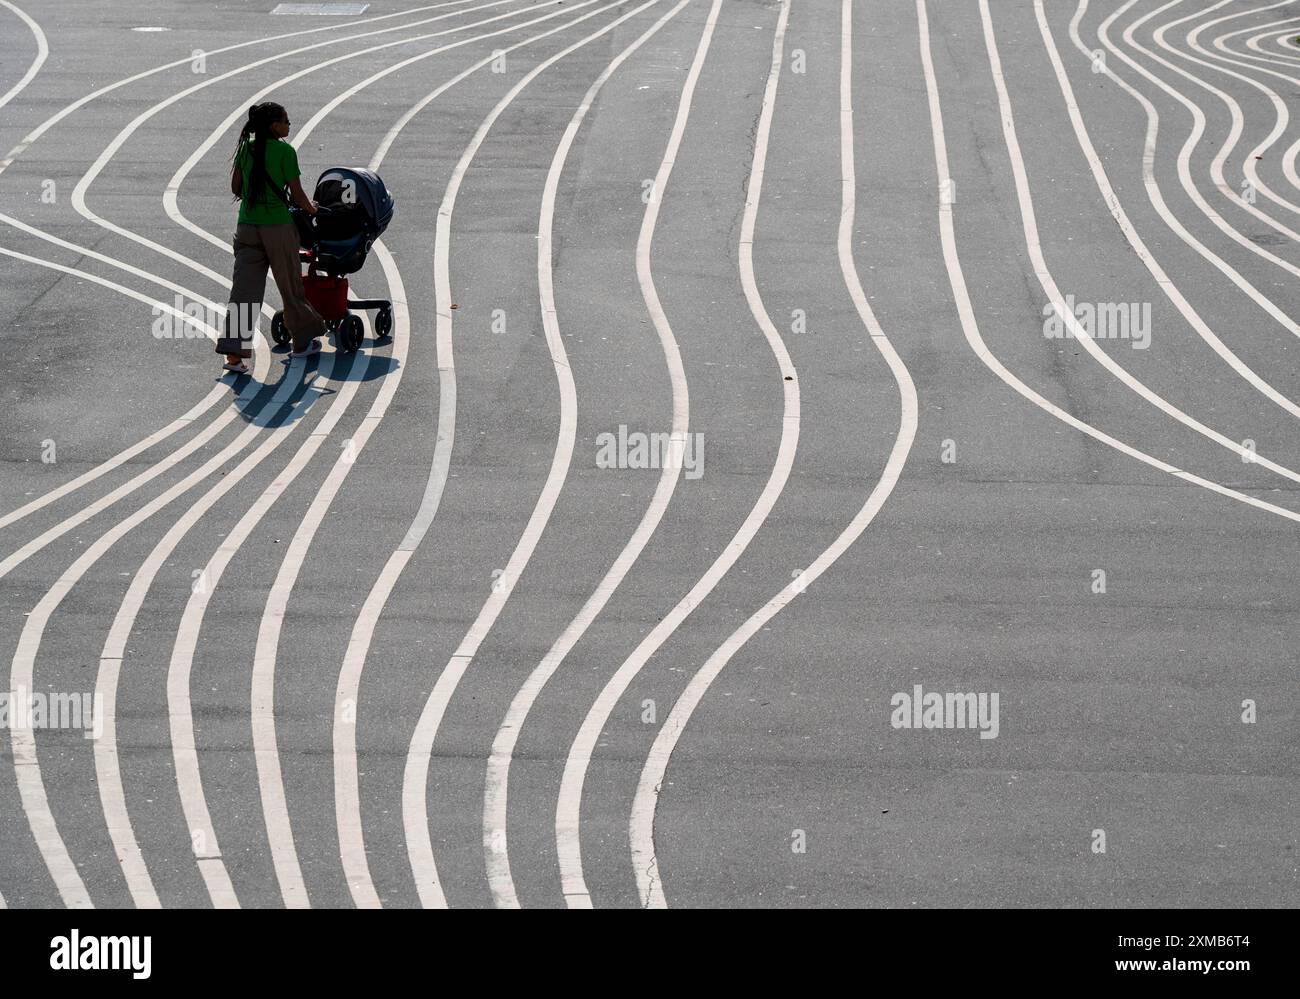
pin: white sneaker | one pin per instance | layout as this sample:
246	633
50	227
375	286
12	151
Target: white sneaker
312	348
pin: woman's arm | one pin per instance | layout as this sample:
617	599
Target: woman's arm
300	197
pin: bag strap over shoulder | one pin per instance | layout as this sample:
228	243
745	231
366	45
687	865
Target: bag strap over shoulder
279	191
266	177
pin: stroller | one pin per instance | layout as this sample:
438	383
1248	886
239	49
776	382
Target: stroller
353	210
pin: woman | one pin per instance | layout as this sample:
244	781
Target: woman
266	237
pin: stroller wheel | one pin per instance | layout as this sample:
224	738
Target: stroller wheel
279	332
384	322
351	333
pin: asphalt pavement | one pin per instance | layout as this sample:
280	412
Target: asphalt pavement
402	627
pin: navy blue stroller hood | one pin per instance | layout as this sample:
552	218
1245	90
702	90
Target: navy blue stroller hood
366	188
354	210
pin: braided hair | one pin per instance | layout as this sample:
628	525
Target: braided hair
253	137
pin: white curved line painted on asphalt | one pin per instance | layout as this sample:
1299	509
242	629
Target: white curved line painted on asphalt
1280	109
1184	158
180	711
221	392
1261	31
1289	157
112	795
31	786
347	789
83	185
966	312
1130	232
111	792
1044	276
1288	164
642	821
173	185
339	98
1153	188
177	425
81	102
122	265
568	812
34	788
1042	272
497	782
1284	52
188	776
415	777
1220	41
266	751
42	53
1280	115
1286	46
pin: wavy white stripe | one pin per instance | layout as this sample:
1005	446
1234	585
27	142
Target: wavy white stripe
568	813
1153	188
81	102
1289	157
1043	273
217	394
173	185
42	53
1184	158
966	312
1280	115
415	777
111	792
31	786
641	824
497	783
83	185
266	753
180	714
347	790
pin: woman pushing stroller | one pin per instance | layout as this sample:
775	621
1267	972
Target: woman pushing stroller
266	237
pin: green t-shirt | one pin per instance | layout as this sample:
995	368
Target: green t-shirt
282	167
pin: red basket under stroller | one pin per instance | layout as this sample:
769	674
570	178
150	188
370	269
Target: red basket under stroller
328	295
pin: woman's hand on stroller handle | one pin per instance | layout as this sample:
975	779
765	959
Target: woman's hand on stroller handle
300	197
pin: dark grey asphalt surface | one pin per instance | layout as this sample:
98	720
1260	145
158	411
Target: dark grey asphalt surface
1119	711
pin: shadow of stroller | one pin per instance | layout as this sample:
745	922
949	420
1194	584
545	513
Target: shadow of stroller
279	403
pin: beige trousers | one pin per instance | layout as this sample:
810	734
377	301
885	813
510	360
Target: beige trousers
259	248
